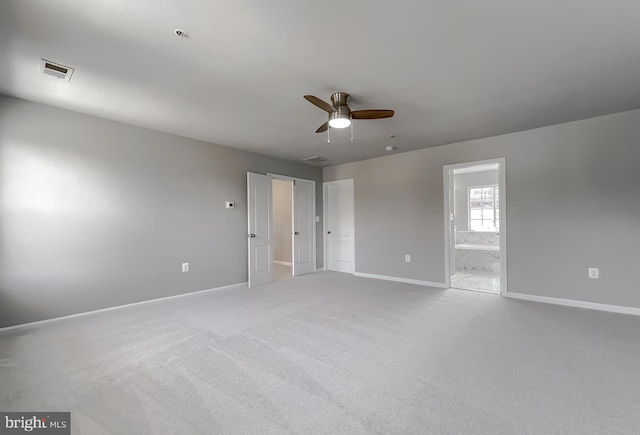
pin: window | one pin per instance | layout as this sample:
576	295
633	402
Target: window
484	208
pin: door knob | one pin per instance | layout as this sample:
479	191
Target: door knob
252	235
296	233
328	232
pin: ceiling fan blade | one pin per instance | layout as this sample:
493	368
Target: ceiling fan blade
319	103
372	114
323	127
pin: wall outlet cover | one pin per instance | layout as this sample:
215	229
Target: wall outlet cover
594	273
185	267
407	258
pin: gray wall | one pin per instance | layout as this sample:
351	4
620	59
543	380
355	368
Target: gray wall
282	220
461	184
573	202
95	213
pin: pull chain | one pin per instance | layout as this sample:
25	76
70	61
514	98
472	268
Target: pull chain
352	131
328	134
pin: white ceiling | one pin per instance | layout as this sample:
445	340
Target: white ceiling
451	69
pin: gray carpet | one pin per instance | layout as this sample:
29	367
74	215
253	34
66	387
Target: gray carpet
331	353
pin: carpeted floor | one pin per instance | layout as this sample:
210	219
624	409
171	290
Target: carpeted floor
331	353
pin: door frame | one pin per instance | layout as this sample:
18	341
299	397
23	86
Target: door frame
325	208
293	217
447	171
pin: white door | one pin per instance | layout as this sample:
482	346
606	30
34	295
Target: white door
303	228
339	226
259	208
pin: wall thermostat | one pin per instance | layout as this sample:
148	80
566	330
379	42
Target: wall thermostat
231	204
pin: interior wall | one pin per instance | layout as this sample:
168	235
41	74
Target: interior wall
461	184
282	220
96	213
572	203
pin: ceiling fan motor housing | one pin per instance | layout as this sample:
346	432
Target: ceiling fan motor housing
339	101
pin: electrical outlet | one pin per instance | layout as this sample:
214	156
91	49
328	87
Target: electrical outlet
594	273
185	267
407	258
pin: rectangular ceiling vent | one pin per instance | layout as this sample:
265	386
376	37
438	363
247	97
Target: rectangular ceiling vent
55	70
315	159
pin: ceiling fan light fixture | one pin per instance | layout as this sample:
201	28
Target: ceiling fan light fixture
339	120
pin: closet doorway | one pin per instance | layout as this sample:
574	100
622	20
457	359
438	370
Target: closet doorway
281	227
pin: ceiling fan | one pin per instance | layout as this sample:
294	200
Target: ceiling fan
340	115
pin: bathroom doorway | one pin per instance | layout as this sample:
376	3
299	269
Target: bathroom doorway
475	223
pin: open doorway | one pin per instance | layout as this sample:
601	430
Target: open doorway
475	223
282	229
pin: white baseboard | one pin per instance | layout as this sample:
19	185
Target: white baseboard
284	263
117	307
574	303
405	280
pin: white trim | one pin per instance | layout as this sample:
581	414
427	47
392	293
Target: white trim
575	303
284	263
117	307
476	163
504	258
447	172
284	177
448	253
398	279
474	169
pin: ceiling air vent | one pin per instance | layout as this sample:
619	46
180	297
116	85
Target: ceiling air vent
315	159
55	70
